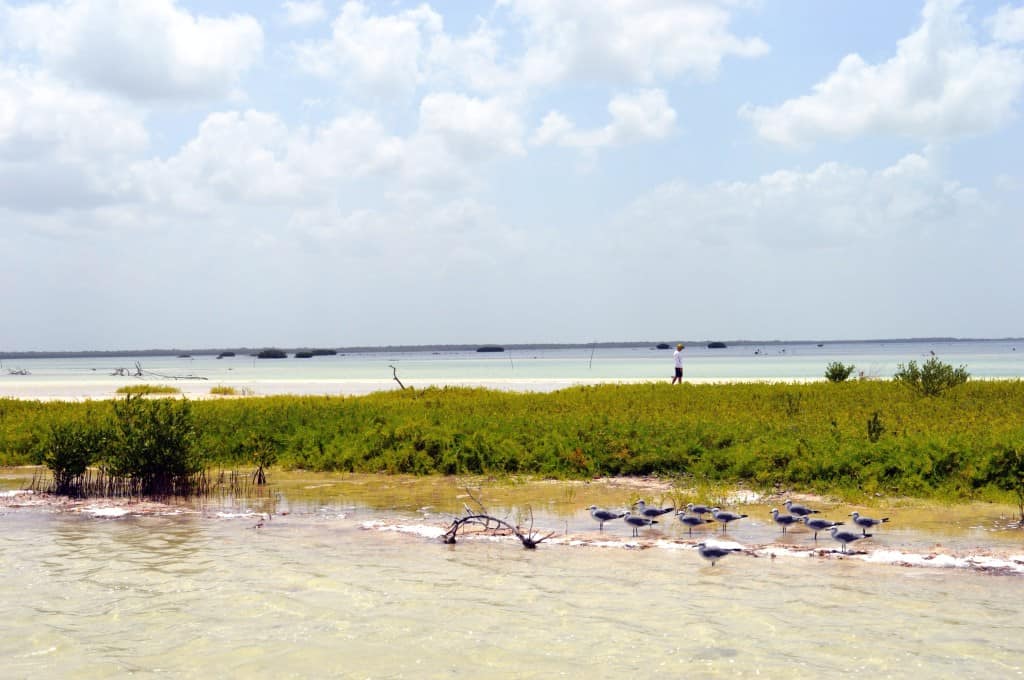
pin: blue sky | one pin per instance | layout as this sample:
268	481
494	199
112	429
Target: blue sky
225	173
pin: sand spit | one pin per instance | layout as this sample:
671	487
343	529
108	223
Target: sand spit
1005	562
988	561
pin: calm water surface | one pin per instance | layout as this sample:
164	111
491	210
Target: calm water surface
519	369
314	594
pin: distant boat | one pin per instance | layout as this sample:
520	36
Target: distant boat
663	345
225	354
184	356
271	354
490	348
820	344
716	345
303	355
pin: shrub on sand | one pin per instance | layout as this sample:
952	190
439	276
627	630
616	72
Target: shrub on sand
145	388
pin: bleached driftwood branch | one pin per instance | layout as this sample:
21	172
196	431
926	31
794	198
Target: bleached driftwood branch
493	525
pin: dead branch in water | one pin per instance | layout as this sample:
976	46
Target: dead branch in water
492	525
140	373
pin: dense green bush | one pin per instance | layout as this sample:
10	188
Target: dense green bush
838	372
932	378
153	443
70	449
1006	471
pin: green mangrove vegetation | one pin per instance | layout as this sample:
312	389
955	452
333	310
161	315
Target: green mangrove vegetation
852	438
932	378
837	371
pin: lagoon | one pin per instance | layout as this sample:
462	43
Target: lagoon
345	579
517	369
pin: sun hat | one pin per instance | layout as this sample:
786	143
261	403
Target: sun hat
679	346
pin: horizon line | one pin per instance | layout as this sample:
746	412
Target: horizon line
50	353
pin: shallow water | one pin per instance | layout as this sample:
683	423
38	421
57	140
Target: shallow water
314	592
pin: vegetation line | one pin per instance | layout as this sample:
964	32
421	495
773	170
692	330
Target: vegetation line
853	439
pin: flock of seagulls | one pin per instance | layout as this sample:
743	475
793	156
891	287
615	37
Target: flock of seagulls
694	515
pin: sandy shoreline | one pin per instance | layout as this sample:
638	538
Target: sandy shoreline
91	391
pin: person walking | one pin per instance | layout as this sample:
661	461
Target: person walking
677	359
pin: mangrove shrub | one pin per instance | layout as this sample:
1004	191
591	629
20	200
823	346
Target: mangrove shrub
153	443
932	378
838	372
69	450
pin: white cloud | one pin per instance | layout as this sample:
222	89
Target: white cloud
474	128
234	157
299	13
62	147
253	157
1008	24
643	116
473	61
383	54
413	227
617	41
143	50
834	205
940	84
627	41
43	117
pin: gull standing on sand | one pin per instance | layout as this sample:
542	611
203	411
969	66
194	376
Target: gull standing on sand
817	525
651	512
698	509
725	517
866	523
799	510
602	515
690	521
783	520
713	552
846	537
637	522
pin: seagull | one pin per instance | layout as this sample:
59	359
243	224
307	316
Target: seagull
725	517
799	510
637	522
713	553
602	515
698	509
651	512
690	521
817	525
783	520
846	537
866	523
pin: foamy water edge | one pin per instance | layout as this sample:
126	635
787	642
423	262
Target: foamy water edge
999	564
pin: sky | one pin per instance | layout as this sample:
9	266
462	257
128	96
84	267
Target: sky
231	173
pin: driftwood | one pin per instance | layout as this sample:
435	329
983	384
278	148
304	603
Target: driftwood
394	374
492	525
140	373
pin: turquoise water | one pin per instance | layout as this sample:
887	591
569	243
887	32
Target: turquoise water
518	369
